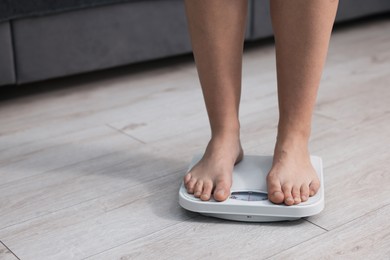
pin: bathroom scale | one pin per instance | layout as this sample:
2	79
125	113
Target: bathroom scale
248	200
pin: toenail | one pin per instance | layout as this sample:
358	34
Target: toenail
276	193
205	196
197	193
304	197
220	192
290	199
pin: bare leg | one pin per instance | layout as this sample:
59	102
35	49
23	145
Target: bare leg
217	29
302	32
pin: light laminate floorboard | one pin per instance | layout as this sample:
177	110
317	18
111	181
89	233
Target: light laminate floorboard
225	240
23	161
367	237
5	254
91	169
99	224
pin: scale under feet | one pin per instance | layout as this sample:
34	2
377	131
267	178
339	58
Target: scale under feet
248	200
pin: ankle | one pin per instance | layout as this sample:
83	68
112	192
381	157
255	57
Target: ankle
292	142
293	135
225	140
226	133
294	129
228	139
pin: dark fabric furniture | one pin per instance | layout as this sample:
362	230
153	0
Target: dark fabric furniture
14	9
74	38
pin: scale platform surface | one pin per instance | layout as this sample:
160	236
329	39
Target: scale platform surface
248	199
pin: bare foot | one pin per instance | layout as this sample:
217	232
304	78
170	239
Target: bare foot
292	178
213	173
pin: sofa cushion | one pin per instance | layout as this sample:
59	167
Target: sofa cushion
14	9
97	38
7	67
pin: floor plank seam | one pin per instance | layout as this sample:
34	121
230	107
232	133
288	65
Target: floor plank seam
278	253
32	153
138	238
151	194
324	233
1	242
122	132
95	198
317	225
69	132
362	216
56	169
51	212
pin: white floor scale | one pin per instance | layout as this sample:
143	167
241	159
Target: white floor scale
248	200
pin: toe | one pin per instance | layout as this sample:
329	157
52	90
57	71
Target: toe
190	185
288	198
314	186
222	190
304	192
207	188
296	193
187	178
198	188
275	193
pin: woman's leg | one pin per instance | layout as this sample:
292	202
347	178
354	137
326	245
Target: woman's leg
302	31
217	29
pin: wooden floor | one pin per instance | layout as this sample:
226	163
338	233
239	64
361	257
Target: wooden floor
90	165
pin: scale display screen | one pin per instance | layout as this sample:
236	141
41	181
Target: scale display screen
249	196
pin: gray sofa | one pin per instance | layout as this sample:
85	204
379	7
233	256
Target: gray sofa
95	34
